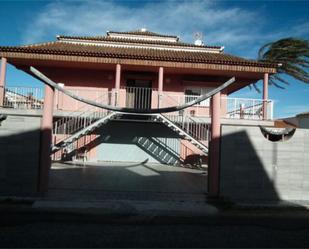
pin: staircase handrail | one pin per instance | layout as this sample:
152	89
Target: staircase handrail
73	115
184	131
189	119
82	132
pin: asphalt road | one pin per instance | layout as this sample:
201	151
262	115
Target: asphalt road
84	230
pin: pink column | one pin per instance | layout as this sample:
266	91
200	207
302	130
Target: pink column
214	147
160	85
265	95
46	139
117	83
2	80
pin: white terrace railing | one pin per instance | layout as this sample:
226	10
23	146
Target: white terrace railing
169	98
139	98
23	97
241	108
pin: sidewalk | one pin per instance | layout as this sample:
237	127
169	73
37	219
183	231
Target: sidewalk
150	209
137	190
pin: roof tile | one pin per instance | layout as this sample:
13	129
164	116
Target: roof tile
142	53
141	32
135	41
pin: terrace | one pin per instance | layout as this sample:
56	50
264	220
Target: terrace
32	98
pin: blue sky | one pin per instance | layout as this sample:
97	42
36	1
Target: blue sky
241	26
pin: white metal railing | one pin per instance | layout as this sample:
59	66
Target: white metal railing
66	103
80	118
194	126
182	99
138	97
23	97
242	108
168	99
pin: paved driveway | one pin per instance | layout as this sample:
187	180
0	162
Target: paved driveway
100	181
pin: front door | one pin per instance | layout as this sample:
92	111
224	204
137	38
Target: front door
139	94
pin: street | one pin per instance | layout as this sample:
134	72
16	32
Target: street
43	229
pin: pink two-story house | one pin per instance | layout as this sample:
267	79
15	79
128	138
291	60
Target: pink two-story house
140	70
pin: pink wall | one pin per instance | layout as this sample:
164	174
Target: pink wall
95	85
87	141
175	85
92	84
187	149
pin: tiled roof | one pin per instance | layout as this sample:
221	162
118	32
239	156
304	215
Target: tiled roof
136	53
141	32
134	41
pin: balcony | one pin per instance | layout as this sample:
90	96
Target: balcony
32	98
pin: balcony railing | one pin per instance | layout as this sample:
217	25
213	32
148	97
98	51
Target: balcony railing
168	98
23	97
139	98
240	108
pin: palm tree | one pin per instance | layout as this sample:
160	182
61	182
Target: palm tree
292	55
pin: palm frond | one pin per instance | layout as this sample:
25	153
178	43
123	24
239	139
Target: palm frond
273	82
292	53
278	78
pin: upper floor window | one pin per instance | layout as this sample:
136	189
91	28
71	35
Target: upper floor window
191	93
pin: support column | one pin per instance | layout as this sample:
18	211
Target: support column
160	85
117	83
46	138
214	147
265	95
2	80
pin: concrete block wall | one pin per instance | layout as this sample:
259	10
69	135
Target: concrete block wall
19	155
254	168
303	121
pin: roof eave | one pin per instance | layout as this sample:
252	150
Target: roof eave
261	68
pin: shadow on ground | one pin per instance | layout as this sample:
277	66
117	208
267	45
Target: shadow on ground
138	181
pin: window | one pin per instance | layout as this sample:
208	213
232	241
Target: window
191	93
